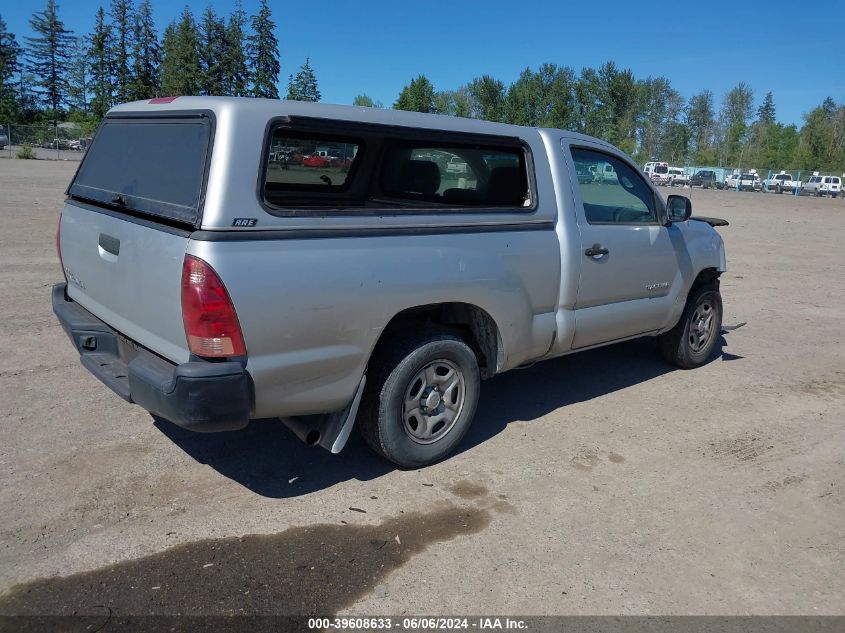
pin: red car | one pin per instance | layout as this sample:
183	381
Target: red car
316	161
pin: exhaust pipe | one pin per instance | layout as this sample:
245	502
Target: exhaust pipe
306	432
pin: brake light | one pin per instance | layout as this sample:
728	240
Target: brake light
211	324
59	244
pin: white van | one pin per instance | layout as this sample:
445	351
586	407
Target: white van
657	172
823	185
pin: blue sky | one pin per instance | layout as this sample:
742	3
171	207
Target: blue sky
376	47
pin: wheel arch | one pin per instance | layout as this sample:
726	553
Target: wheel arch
472	323
705	276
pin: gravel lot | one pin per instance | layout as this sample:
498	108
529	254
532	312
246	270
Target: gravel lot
601	483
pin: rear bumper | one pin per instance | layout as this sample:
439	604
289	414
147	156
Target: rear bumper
198	395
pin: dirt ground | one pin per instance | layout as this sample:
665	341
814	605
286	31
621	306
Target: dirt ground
600	483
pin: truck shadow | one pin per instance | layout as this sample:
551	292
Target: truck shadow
270	461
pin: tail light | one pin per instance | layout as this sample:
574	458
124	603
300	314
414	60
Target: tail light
211	323
59	244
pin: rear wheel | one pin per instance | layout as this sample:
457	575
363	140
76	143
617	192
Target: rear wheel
421	396
691	342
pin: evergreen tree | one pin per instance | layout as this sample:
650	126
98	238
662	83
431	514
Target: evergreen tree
418	96
79	76
234	64
123	26
146	55
9	66
28	101
303	86
766	111
212	53
48	56
264	55
180	66
100	55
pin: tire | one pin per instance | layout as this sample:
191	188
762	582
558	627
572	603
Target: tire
682	346
415	368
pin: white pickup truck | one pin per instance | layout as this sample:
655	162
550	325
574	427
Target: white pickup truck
781	182
212	287
677	176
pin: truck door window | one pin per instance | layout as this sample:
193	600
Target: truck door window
616	194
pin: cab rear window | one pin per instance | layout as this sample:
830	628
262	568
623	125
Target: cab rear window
313	166
152	165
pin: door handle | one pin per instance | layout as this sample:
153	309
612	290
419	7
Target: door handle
596	251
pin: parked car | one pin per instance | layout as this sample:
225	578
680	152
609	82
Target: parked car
677	176
704	178
823	185
747	181
584	174
657	172
750	181
605	173
781	182
316	160
4	137
211	294
56	144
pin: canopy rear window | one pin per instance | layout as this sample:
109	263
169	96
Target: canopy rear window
153	165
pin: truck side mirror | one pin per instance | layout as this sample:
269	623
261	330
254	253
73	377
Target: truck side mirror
678	208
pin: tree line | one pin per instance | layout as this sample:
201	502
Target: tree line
646	118
57	74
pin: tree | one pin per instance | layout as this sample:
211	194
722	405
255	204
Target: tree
621	95
303	86
146	55
234	63
766	111
590	95
212	53
48	56
545	98
487	98
122	24
264	54
79	76
9	66
733	119
822	139
701	121
453	102
418	96
100	55
28	101
366	101
657	120
180	66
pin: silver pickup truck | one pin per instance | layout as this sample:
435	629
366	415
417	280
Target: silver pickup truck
231	259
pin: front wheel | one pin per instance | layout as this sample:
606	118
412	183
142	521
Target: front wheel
421	396
691	342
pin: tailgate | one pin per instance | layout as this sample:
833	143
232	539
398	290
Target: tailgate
127	273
